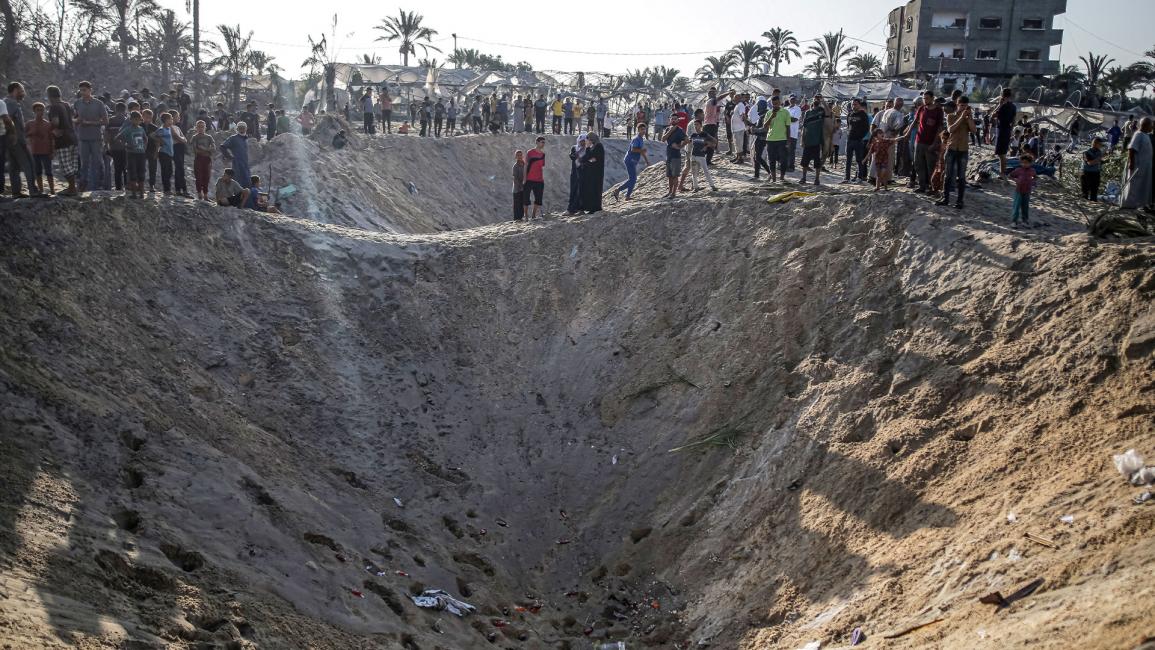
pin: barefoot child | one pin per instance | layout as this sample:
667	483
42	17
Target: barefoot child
880	148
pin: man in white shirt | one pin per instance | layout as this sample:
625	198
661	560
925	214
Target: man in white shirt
795	112
738	127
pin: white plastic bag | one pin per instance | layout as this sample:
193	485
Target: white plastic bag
1128	463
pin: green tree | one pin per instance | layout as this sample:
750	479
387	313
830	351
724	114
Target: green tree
830	50
169	44
865	64
747	54
717	67
407	29
234	58
128	16
783	46
1095	65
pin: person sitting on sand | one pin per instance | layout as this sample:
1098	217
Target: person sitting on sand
257	200
229	192
340	140
404	128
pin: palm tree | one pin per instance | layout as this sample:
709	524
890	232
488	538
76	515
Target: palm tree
662	77
816	68
130	12
830	50
407	29
635	78
782	47
865	64
1095	66
717	67
169	43
370	59
235	57
746	54
464	58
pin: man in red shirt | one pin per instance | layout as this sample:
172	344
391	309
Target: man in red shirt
535	177
930	120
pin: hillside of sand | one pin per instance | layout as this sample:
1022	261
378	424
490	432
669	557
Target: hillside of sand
708	422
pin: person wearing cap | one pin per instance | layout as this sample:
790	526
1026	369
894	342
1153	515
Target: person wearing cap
813	135
929	120
91	119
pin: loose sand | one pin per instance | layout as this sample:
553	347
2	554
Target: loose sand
207	415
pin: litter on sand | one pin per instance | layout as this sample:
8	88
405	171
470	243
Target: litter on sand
813	645
398	502
996	598
783	197
440	600
905	631
1041	540
1067	519
1130	465
1142	498
857	636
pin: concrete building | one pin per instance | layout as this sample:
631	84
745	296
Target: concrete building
970	43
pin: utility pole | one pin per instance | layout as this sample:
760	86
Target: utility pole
196	12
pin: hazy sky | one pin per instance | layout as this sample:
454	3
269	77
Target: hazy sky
662	31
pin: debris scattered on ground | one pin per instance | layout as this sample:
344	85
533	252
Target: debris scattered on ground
1041	540
357	592
1012	518
1067	519
813	645
1130	464
914	628
442	601
1142	498
857	636
996	598
398	502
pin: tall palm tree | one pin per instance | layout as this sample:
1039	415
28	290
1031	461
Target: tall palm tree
1095	65
129	13
370	59
746	54
169	43
407	28
816	67
783	46
635	78
717	67
830	50
234	58
865	64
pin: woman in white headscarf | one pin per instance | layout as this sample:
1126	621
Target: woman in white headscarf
1137	181
575	182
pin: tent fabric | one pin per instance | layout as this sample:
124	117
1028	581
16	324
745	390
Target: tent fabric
869	90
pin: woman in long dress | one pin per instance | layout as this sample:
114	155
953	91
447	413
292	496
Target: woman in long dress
593	166
1137	180
575	184
518	116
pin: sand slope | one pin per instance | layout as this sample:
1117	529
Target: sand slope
208	413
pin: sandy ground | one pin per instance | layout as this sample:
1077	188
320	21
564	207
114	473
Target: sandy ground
208	414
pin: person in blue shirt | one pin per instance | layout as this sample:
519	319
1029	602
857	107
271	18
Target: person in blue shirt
164	144
637	152
235	148
1114	134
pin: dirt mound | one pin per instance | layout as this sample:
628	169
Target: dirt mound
224	429
409	184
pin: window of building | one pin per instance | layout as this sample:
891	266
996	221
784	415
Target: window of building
990	23
1032	23
906	53
987	55
890	56
893	30
910	23
958	53
1028	55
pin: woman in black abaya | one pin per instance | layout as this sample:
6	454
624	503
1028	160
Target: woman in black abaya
593	167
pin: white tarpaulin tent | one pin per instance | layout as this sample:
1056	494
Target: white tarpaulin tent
874	91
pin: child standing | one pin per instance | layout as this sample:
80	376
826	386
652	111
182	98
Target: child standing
203	146
518	185
880	149
40	143
132	134
1024	178
1092	168
938	177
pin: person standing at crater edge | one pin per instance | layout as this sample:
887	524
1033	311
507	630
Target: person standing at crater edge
535	177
